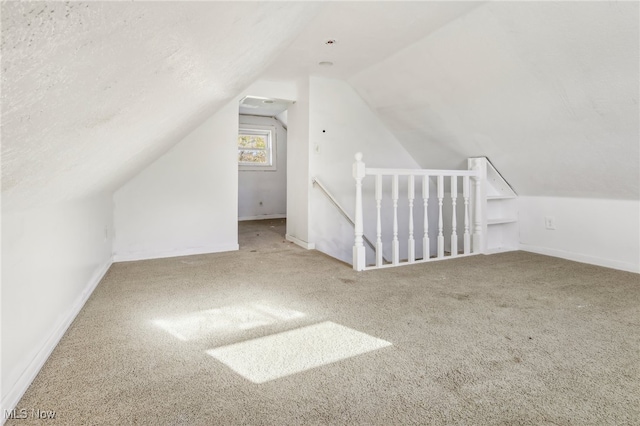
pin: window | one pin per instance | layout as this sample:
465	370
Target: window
256	147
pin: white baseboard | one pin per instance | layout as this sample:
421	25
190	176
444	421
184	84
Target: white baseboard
146	255
264	216
303	244
11	399
578	257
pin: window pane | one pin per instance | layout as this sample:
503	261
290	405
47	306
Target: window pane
252	156
252	141
255	148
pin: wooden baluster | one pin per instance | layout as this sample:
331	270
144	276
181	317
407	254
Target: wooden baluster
395	248
359	254
440	223
465	195
379	222
454	219
412	243
426	248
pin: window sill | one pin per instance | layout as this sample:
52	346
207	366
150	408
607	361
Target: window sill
257	168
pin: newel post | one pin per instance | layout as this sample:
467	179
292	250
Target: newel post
359	259
478	237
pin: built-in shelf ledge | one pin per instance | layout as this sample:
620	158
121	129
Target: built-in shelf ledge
500	220
500	197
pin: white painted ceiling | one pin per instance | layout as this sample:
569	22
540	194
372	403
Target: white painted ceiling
365	32
266	107
93	92
547	90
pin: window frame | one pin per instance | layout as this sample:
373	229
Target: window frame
271	148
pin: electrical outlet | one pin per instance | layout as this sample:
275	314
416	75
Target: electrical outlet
549	222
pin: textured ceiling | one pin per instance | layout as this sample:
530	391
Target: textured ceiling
365	32
92	92
547	90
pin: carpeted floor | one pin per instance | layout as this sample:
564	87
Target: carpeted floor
514	338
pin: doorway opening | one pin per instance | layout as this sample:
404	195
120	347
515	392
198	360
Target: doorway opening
262	159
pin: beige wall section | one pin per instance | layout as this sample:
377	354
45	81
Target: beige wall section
186	202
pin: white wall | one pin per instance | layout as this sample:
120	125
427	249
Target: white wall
282	118
52	259
298	178
340	125
263	194
601	232
186	202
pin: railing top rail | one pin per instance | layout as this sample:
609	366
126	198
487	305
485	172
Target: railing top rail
344	213
420	172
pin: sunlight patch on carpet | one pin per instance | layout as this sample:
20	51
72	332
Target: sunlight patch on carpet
283	354
198	325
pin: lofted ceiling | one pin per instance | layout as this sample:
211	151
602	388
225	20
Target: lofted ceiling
93	92
353	35
547	90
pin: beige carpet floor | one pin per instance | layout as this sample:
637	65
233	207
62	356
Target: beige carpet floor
507	339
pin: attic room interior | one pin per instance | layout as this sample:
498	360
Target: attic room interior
155	270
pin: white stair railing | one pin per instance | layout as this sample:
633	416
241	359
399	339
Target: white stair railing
472	203
341	209
496	225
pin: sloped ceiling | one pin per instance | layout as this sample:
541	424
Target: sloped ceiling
92	92
363	33
547	90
